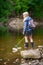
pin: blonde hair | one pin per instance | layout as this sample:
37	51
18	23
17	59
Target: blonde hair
26	13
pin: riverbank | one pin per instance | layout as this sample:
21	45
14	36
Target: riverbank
16	24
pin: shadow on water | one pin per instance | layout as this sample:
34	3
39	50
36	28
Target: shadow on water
9	40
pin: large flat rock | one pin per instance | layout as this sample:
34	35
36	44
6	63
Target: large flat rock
16	24
32	53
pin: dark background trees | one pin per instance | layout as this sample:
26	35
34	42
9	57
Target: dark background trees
11	8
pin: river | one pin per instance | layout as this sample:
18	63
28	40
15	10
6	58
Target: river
9	40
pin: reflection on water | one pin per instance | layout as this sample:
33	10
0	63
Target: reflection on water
8	41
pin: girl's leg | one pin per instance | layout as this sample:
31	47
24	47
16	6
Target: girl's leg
31	41
26	42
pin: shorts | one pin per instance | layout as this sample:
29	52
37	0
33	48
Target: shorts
28	33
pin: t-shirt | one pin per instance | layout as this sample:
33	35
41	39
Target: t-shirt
26	22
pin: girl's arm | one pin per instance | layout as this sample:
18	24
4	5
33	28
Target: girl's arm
24	27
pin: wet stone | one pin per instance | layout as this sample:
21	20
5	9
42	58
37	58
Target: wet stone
17	60
14	49
30	63
22	61
41	63
8	59
19	48
1	60
5	63
42	55
14	62
34	62
42	60
24	64
32	53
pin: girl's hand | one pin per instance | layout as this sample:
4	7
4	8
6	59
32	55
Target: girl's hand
23	32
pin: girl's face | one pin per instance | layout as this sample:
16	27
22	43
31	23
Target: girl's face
25	15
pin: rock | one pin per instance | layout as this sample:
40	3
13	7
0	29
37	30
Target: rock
14	62
19	48
40	47
42	55
30	63
17	24
24	63
5	63
41	63
41	50
34	62
1	59
14	49
32	53
8	59
17	60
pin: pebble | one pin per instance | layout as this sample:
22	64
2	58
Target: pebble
30	63
40	46
42	55
39	40
14	62
42	60
1	59
24	64
19	48
17	60
34	62
14	49
22	61
5	63
8	59
41	63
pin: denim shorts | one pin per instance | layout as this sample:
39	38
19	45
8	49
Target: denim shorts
28	33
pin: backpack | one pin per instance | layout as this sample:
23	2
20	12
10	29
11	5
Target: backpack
31	24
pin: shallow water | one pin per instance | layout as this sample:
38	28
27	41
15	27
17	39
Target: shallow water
9	40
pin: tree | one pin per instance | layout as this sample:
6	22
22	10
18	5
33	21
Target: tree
19	6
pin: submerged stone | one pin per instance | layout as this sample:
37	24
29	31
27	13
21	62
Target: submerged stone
19	48
1	59
5	63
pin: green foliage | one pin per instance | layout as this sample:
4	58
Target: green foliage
3	19
3	30
5	9
19	6
38	9
38	31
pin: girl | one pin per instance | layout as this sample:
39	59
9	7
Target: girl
28	29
